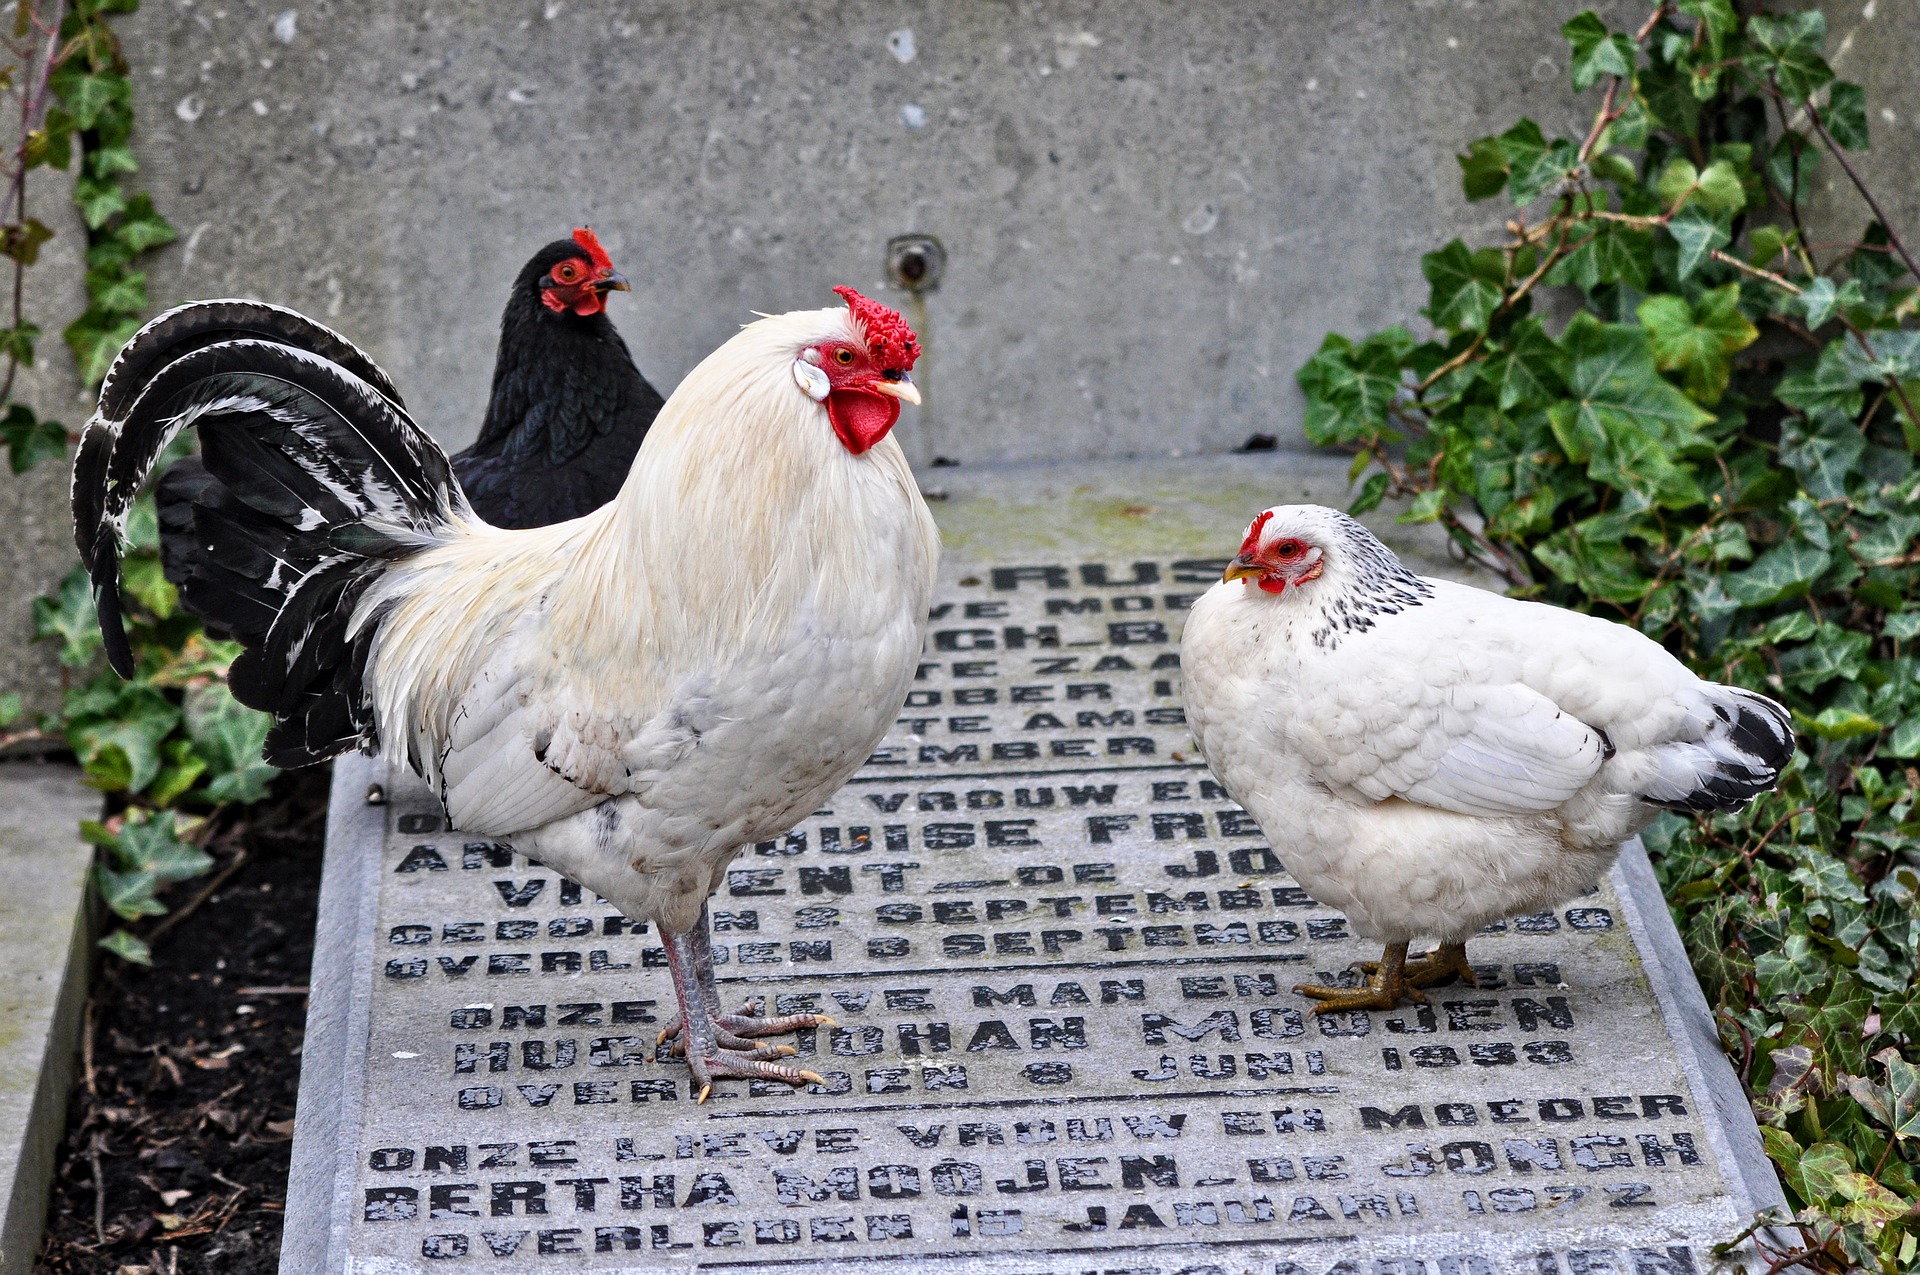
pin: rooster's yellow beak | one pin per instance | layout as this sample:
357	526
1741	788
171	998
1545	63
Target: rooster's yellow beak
902	389
1240	568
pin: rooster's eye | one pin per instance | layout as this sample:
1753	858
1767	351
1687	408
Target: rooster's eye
844	357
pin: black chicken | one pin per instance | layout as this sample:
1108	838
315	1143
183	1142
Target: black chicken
568	408
566	415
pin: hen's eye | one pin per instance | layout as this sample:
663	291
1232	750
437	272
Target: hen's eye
843	357
1289	549
566	272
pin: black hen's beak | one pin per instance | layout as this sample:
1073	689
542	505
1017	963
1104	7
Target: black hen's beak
612	282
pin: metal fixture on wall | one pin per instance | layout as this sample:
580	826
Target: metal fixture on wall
916	262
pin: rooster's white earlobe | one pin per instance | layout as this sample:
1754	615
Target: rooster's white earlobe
811	379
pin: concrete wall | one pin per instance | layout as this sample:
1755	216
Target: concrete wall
1152	210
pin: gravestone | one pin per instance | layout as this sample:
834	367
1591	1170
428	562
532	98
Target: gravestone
1061	961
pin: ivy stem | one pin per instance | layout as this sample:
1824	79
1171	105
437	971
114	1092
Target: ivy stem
1839	154
1777	280
33	100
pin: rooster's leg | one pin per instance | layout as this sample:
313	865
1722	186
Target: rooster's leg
1430	969
716	1045
1386	986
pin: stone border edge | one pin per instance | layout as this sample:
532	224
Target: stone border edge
333	1054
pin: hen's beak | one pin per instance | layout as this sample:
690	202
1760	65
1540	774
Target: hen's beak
1240	568
615	282
902	389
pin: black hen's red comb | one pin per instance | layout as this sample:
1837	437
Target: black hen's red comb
590	242
889	339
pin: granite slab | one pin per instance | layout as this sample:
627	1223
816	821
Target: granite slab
1060	958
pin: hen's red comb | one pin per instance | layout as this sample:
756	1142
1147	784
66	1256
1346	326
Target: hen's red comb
889	339
595	253
1252	542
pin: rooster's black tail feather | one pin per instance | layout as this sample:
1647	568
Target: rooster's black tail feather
312	478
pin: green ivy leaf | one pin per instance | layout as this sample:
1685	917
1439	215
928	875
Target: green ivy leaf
1718	19
21	240
1698	340
152	843
68	618
124	945
1604	569
1529	366
1821	298
231	736
1613	253
1791	164
1483	168
1699	234
1557	164
1837	724
1626	421
1846	115
119	291
87	95
1787	50
1349	388
1782	572
17	343
1371	493
143	228
99	201
31	439
1596	51
1426	507
1466	286
1828	385
107	161
129	894
96	337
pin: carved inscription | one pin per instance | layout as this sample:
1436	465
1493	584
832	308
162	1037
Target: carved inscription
1061	960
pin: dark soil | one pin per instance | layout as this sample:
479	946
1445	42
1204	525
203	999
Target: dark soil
180	1125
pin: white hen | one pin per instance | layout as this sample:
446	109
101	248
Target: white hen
1429	757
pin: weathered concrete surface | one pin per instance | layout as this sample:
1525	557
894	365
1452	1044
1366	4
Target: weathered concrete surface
45	942
1152	211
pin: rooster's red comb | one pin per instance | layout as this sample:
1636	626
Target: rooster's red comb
595	253
1252	542
889	339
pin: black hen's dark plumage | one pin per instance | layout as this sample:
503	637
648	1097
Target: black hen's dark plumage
312	478
566	415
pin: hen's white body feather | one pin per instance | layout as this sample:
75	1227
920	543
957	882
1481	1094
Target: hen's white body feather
1448	757
633	696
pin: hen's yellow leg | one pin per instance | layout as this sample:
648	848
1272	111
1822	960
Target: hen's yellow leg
1386	986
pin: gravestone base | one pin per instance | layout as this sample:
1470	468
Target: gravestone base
1061	962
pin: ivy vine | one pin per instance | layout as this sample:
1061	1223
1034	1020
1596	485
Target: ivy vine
1753	506
171	746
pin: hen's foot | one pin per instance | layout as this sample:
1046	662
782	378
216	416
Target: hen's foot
1386	986
1431	969
1444	965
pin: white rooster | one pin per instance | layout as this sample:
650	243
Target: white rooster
1429	757
630	697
